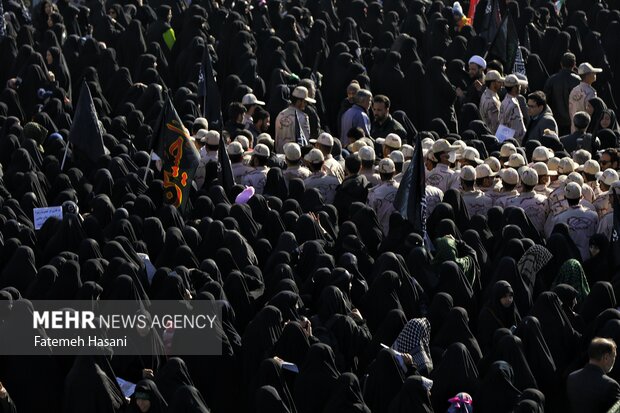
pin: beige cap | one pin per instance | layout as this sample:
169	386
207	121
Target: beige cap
265	137
507	149
393	141
407	151
386	166
325	139
367	153
509	176
566	166
609	176
234	148
202	122
200	134
493	75
575	177
468	173
553	164
250	99
493	163
586	68
484	171
244	141
300	92
442	145
541	154
261	150
472	154
461	146
591	167
529	176
427	143
212	138
541	168
292	151
397	157
516	161
356	146
572	190
513	80
314	156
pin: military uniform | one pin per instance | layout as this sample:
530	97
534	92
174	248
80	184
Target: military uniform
578	98
326	185
381	199
256	178
489	109
476	202
582	224
332	167
510	115
239	170
285	127
297	171
434	196
373	178
536	208
503	198
444	178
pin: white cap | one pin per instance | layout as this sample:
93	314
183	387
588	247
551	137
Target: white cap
200	134
586	68
468	173
575	177
427	143
529	176
442	145
479	61
609	176
507	149
300	92
541	168
572	190
393	141
292	151
244	141
591	167
250	99
493	75
386	166
325	139
493	163
566	166
553	164
212	138
265	137
541	154
516	161
397	156
484	170
513	80
234	148
366	153
261	150
471	154
509	176
314	156
407	151
202	122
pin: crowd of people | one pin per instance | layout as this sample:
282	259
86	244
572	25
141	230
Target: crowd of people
332	300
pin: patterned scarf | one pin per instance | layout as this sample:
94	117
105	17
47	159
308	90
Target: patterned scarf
572	273
534	259
414	339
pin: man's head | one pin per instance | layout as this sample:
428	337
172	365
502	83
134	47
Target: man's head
261	119
536	103
235	152
581	120
468	177
510	179
292	153
363	98
367	156
572	193
352	90
352	165
444	152
513	84
391	143
484	176
309	84
251	103
529	178
602	352
314	159
476	67
301	97
260	156
568	61
236	110
493	80
386	169
609	159
543	172
588	72
380	108
324	143
607	179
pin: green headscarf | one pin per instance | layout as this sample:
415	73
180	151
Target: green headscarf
446	250
572	273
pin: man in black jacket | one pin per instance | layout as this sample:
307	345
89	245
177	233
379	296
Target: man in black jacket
383	123
557	90
354	188
580	139
541	117
590	389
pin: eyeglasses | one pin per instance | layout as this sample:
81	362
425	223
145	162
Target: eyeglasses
532	106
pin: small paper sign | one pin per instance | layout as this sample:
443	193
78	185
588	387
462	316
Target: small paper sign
504	132
42	214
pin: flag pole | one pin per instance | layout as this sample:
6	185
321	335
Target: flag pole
148	165
64	157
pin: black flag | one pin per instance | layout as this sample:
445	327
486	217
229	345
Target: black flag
614	196
178	155
490	20
410	199
300	136
225	173
505	47
86	134
210	94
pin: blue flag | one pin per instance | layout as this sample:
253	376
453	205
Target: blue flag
410	199
209	92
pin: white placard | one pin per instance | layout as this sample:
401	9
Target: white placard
504	132
42	214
